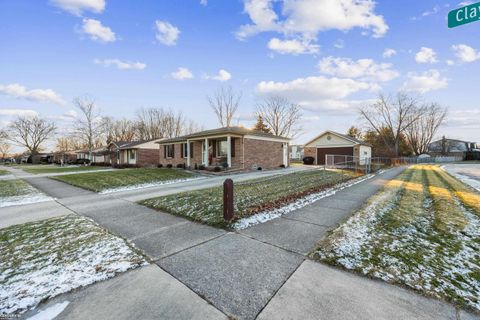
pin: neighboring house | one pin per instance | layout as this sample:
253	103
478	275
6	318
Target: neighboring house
331	142
452	147
66	156
140	153
97	155
296	152
230	147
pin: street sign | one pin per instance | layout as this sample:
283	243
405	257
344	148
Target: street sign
463	15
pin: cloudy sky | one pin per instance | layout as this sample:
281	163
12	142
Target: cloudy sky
330	56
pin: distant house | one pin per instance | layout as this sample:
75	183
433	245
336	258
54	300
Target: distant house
296	152
331	142
66	156
229	147
96	156
140	153
453	147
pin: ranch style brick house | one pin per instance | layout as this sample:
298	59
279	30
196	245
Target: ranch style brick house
139	153
331	142
229	147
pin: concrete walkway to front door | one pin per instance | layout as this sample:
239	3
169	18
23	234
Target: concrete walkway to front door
261	271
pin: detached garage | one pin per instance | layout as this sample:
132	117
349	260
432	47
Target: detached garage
331	142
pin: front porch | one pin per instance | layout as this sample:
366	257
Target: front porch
218	151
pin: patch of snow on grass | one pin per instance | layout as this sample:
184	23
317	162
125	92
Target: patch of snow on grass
147	185
298	204
46	258
50	313
34	196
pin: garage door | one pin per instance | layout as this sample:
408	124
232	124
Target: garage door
321	152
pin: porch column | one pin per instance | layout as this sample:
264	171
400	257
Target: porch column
188	153
205	153
229	151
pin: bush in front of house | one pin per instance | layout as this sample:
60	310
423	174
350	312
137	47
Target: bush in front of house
308	160
201	167
169	165
217	169
282	166
160	165
181	166
125	166
259	168
100	164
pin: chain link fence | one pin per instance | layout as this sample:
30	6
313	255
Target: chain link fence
369	165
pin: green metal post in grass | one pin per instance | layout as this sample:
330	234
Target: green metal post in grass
228	200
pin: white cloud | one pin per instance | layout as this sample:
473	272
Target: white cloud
19	91
223	75
316	92
203	2
388	53
434	10
294	47
71	114
450	62
122	65
77	7
18	112
465	53
426	55
309	17
463	118
167	33
365	69
426	81
97	31
182	74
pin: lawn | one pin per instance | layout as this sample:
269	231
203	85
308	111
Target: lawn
43	259
124	179
250	197
421	231
4	172
16	191
37	169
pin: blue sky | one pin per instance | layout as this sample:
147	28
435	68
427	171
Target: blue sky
131	54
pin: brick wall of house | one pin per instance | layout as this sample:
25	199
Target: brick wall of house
177	158
148	157
265	154
310	152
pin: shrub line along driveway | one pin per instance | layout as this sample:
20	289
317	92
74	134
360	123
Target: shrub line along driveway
261	271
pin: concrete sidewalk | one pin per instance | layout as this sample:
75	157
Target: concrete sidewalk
317	291
262	269
144	293
300	230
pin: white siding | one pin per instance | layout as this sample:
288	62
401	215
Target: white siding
333	141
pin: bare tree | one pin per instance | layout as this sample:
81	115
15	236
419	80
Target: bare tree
224	102
395	115
31	132
118	130
420	134
155	123
69	143
280	115
89	126
4	149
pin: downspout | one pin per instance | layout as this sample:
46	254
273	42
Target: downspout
243	152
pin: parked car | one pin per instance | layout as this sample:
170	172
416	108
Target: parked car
82	161
308	160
